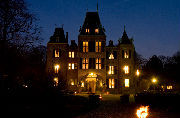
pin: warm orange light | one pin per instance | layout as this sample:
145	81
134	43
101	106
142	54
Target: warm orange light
154	80
126	69
142	112
56	68
137	72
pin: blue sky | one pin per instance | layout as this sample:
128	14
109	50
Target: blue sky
154	24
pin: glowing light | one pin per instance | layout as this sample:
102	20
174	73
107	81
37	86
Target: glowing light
97	30
137	72
82	84
55	81
91	74
126	82
126	69
154	80
100	97
142	112
169	87
56	68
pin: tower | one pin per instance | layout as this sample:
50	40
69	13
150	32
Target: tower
91	46
56	58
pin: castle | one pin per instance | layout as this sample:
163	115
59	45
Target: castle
92	65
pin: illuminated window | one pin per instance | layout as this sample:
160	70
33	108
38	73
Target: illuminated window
72	66
85	62
55	81
111	83
87	30
56	53
56	67
82	83
169	87
71	54
85	46
97	30
126	69
98	63
126	55
126	82
111	56
98	46
72	82
111	70
137	72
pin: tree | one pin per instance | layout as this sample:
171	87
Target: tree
17	24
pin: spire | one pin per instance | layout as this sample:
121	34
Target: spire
124	28
97	5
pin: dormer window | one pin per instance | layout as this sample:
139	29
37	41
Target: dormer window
87	30
96	30
111	56
126	55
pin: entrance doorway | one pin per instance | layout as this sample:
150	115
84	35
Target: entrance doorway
91	83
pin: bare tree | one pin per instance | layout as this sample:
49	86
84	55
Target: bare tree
17	24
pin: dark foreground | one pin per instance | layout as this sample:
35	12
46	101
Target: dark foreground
30	103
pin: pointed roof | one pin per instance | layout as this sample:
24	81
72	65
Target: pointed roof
125	39
92	22
58	36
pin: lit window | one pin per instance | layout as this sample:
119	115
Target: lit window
55	81
169	87
126	82
87	30
71	54
85	46
98	46
97	30
85	63
56	67
126	69
111	70
111	56
82	83
98	63
126	55
111	83
72	66
56	53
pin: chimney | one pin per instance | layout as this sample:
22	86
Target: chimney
66	35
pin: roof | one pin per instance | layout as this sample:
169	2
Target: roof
125	39
92	22
58	36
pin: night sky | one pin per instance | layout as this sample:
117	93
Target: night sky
154	24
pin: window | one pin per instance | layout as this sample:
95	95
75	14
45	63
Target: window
169	87
71	54
85	46
87	30
72	66
85	62
111	56
126	82
111	83
126	69
126	55
96	30
98	63
98	46
56	53
56	67
55	81
82	83
111	69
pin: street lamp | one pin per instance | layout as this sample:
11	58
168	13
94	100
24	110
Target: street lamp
154	80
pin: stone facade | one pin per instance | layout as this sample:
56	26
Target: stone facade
91	66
